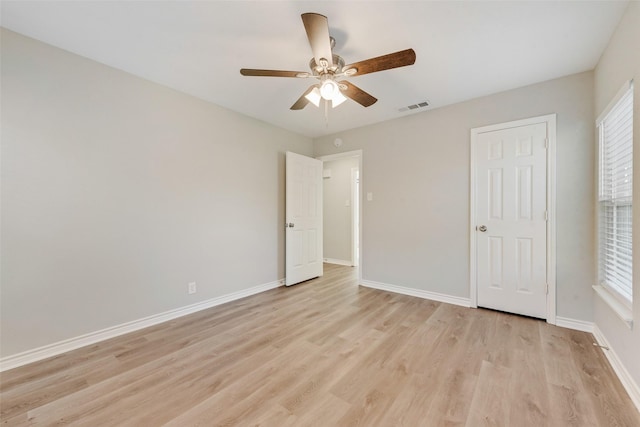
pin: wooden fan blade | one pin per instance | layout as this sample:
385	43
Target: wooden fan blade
357	94
273	73
302	101
317	27
384	62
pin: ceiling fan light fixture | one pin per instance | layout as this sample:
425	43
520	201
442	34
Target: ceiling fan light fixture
329	89
314	97
338	99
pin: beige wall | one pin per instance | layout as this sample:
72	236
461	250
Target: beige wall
416	228
619	63
337	215
117	192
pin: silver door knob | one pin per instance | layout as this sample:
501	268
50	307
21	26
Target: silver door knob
482	228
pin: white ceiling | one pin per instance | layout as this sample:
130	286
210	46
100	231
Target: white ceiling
464	49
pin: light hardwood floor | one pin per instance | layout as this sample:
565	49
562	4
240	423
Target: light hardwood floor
327	353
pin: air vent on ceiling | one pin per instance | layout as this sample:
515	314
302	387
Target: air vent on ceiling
414	106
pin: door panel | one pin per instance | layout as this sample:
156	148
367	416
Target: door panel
511	203
495	194
303	227
495	262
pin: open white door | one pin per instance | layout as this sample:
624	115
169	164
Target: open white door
303	215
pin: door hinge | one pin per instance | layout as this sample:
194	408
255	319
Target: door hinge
546	289
546	143
546	215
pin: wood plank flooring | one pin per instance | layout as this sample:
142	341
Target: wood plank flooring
327	353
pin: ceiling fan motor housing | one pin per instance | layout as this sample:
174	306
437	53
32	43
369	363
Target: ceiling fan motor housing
318	69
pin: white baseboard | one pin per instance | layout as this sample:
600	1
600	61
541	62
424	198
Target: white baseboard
338	261
625	378
449	299
30	356
578	325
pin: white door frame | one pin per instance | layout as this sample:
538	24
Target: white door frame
345	155
550	120
355	216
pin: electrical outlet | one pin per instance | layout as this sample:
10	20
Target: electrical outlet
192	288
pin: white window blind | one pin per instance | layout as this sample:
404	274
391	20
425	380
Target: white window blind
615	196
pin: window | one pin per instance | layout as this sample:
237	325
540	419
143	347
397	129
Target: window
615	201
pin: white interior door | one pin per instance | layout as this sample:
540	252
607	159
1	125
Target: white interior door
511	219
303	214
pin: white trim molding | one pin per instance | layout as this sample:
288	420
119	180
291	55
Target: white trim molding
578	325
625	87
621	310
434	296
623	375
338	156
50	350
550	120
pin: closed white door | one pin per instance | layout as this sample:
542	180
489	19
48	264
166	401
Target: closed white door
303	215
511	218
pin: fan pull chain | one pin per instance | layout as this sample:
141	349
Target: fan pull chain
326	113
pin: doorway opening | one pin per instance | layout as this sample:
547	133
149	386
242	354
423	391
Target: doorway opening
342	213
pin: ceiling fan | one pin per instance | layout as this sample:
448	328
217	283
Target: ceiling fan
327	67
